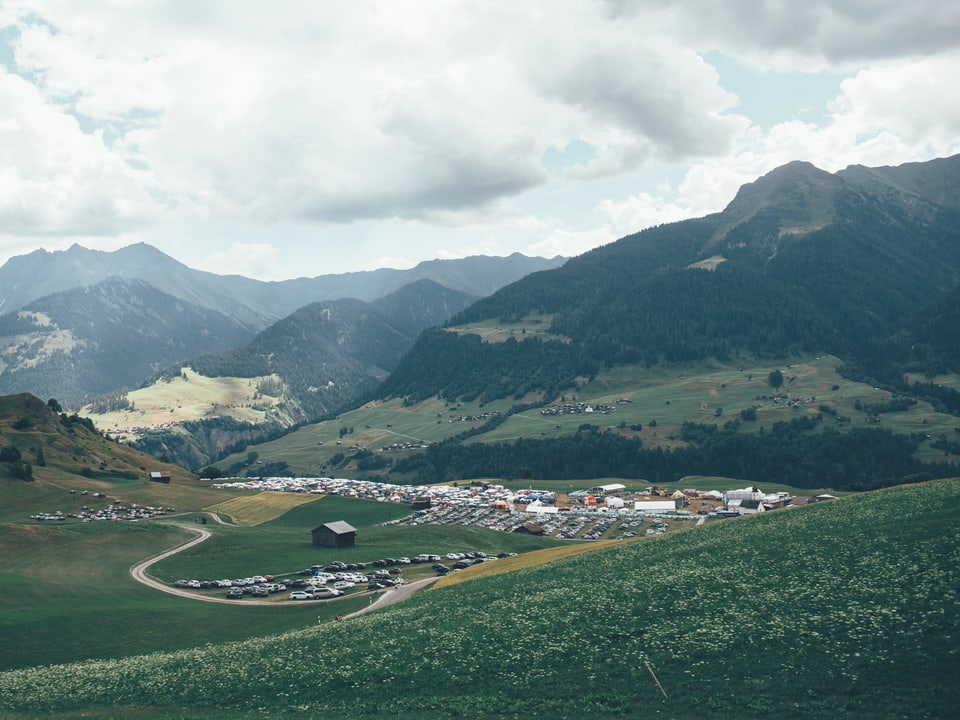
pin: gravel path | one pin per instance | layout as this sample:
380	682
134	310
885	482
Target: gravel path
139	573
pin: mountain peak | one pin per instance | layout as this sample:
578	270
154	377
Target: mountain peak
799	194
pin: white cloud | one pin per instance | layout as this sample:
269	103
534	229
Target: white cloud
383	132
56	179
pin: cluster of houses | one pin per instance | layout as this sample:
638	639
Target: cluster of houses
577	408
407	445
474	418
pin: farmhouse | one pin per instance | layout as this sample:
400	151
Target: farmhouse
335	534
160	477
749	507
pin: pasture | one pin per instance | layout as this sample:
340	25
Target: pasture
842	610
259	508
652	403
189	396
493	330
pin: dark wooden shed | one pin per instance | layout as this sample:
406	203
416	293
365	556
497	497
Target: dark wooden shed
530	529
335	534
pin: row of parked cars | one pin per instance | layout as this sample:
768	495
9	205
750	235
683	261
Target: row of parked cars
238	582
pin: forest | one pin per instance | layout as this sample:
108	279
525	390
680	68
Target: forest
796	453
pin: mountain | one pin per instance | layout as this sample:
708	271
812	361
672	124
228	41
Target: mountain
323	358
329	354
254	303
80	323
95	339
800	261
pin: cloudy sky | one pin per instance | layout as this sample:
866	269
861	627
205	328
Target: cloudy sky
288	139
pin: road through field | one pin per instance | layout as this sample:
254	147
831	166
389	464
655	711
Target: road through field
139	573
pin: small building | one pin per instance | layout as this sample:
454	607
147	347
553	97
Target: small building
750	507
335	534
422	502
610	489
530	529
160	477
655	506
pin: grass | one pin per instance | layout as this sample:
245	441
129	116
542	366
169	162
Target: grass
189	396
259	508
493	330
661	398
839	610
66	594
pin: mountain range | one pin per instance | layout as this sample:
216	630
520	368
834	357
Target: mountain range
82	323
862	264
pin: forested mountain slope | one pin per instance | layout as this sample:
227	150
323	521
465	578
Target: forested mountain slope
800	261
81	342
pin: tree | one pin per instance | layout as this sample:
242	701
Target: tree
54	405
775	378
211	473
9	454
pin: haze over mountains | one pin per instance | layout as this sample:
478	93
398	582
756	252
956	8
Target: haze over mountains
80	323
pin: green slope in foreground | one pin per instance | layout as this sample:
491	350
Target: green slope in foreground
846	609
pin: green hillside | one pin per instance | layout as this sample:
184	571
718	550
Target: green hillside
819	429
839	610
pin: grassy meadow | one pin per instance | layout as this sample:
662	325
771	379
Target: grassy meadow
189	396
660	399
846	609
66	593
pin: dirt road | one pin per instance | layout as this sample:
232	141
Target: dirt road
139	573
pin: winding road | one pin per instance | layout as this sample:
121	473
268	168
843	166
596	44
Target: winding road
139	573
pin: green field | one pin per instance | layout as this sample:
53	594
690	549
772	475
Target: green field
66	593
661	399
845	609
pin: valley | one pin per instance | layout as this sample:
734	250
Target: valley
647	403
802	341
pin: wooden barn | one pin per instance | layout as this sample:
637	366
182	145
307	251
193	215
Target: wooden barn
422	502
335	534
160	477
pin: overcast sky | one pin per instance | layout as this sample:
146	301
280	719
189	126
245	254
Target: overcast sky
288	139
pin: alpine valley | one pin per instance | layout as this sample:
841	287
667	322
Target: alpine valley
815	317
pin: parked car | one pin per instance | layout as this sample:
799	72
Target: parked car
235	593
326	592
298	595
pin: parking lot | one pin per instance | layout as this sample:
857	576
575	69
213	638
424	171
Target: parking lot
334	580
561	525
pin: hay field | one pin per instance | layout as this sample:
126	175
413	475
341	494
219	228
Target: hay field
187	397
257	509
518	562
533	325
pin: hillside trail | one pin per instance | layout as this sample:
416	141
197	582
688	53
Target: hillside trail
139	573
